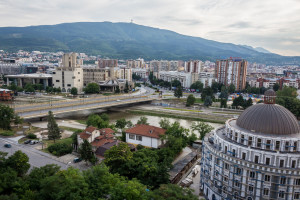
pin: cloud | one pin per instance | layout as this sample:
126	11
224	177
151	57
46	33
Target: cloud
272	24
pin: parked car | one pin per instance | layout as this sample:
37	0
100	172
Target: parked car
76	160
7	145
27	141
34	142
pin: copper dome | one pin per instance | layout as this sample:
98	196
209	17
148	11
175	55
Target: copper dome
269	119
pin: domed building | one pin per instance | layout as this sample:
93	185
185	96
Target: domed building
253	157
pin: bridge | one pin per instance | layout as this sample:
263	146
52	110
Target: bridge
36	110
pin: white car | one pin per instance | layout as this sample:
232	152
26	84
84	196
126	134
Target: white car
118	100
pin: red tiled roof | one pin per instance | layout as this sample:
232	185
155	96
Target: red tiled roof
98	143
84	135
106	130
107	135
90	129
146	130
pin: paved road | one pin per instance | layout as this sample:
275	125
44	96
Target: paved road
36	157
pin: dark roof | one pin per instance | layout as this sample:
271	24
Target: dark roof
269	119
181	164
146	130
270	92
101	150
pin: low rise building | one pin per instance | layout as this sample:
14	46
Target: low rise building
146	135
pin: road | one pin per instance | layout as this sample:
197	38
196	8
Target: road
36	158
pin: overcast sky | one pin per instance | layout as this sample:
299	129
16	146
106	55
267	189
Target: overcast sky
272	24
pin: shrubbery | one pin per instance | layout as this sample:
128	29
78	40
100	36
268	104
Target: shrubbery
60	149
31	136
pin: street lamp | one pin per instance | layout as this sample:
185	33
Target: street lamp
68	164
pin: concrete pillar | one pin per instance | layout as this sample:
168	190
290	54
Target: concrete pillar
7	81
33	81
20	81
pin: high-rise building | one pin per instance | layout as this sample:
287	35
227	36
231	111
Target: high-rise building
232	71
194	66
102	63
69	74
253	157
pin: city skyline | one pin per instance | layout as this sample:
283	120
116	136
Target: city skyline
264	24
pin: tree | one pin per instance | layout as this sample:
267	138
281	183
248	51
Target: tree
178	92
129	124
231	88
207	101
86	152
290	103
248	103
96	121
207	92
74	91
223	103
143	120
164	123
190	100
215	86
198	85
276	87
92	88
121	123
202	128
176	83
238	101
117	90
172	192
6	117
126	89
117	156
287	92
105	117
19	162
18	120
53	130
29	88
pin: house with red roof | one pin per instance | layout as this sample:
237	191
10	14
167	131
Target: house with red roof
146	135
96	136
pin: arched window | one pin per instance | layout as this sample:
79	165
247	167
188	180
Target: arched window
213	197
69	90
249	198
63	90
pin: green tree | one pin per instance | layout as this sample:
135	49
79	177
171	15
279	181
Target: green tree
238	101
287	92
74	91
117	156
121	123
96	121
215	86
198	85
129	124
207	101
178	92
19	162
190	100
86	152
6	117
105	117
176	83
117	90
202	128
53	130
223	103
207	92
290	103
231	88
143	120
248	103
92	88
126	89
18	120
29	88
172	192
164	123
276	87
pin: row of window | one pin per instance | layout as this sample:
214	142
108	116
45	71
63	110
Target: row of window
135	137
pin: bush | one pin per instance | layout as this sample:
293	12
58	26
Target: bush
6	132
31	136
60	149
139	147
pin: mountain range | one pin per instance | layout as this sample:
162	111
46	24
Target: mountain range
129	41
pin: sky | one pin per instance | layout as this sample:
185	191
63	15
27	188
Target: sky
271	24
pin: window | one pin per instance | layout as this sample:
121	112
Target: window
225	150
281	194
297	181
233	152
287	145
281	163
237	184
250	141
218	161
266	192
267	161
54	73
282	180
78	72
293	163
252	174
242	139
236	137
258	142
225	178
69	85
226	166
216	173
256	158
277	146
244	156
57	81
224	189
131	136
238	171
78	80
250	188
295	146
267	178
268	145
138	137
297	195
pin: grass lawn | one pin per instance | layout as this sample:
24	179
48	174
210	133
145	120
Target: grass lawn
183	109
33	129
48	143
81	121
7	132
227	113
69	128
198	100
